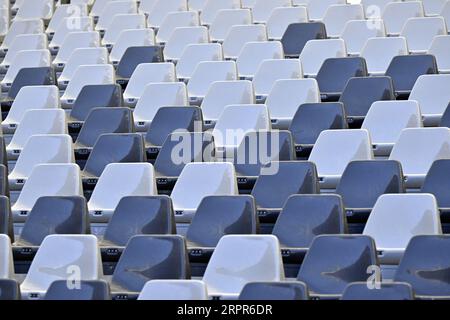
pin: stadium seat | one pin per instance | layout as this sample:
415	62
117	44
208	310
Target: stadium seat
387	291
194	54
378	53
433	144
439	46
374	8
6	262
174	289
41	9
149	257
198	180
73	41
113	8
129	38
286	290
88	290
211	8
239	35
98	7
419	32
65	11
238	260
225	20
433	7
9	289
262	9
357	32
395	15
436	183
155	96
338	15
280	19
196	5
68	26
120	23
180	38
317	9
174	20
133	57
6	220
445	12
424	266
70	249
298	34
161	8
20	27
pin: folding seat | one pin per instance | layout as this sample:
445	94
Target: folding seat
374	8
6	220
262	9
304	217
317	9
198	180
25	59
396	14
357	32
82	249
102	121
430	91
120	23
181	38
73	41
194	54
40	121
234	122
334	149
222	94
286	96
6	262
419	32
163	7
205	74
117	181
286	290
281	18
40	149
135	56
379	52
136	215
359	94
436	183
21	27
433	144
174	289
211	8
145	74
113	8
225	20
232	266
338	15
68	26
387	291
88	290
239	35
32	9
146	258
32	97
155	96
254	53
86	75
79	57
131	38
65	11
36	41
424	266
334	74
9	289
278	181
173	20
270	71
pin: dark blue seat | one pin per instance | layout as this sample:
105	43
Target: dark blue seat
298	34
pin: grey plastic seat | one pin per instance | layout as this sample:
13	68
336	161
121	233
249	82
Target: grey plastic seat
134	56
174	290
387	291
40	76
88	290
6	262
286	290
130	38
147	258
333	262
298	34
436	183
6	220
4	185
9	289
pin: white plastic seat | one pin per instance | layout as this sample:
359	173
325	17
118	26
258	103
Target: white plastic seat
337	16
65	11
431	143
440	46
374	8
25	59
67	26
286	96
198	180
419	32
378	53
262	9
386	120
205	74
112	9
445	13
144	74
396	14
4	22
223	93
119	180
281	18
98	7
6	258
87	75
396	218
239	36
211	8
155	96
318	8
174	290
196	5
335	149
254	53
21	27
226	19
60	257
32	9
357	32
131	38
40	149
30	97
234	122
47	180
194	54
431	91
181	38
433	7
316	52
122	22
175	20
73	41
161	8
240	259
270	71
145	6
79	57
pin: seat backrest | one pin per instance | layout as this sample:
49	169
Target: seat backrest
134	56
6	261
6	221
88	290
437	182
40	76
387	291
174	290
286	290
298	34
